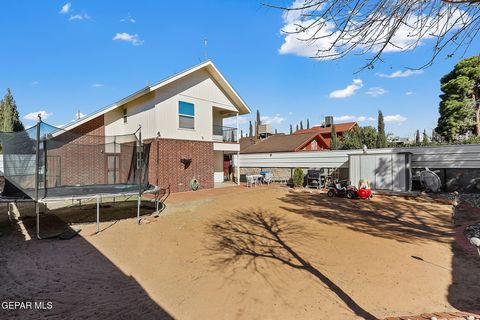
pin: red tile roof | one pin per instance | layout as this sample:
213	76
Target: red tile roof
339	127
283	143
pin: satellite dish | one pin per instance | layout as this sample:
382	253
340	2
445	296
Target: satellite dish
430	180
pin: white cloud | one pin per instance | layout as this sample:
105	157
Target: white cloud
97	85
33	116
128	19
348	91
65	8
400	74
396	118
325	33
353	118
409	93
132	38
276	119
79	16
376	91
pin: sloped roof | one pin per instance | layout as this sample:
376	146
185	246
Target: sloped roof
339	127
207	65
282	143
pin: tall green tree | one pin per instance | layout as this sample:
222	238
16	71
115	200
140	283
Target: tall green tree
257	124
381	136
358	137
425	138
417	137
333	138
459	112
308	124
291	129
297	127
301	125
10	120
250	129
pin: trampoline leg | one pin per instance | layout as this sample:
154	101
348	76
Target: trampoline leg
138	208
98	214
37	211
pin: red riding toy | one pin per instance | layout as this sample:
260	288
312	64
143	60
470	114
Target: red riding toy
350	191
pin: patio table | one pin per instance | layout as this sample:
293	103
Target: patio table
258	177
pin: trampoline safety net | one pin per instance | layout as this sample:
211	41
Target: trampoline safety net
70	163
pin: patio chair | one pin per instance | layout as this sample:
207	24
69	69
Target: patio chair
251	181
268	178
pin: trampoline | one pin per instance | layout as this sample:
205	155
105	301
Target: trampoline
45	163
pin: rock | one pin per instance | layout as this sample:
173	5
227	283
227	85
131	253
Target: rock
470	318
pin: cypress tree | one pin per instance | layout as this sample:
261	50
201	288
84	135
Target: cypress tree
276	131
297	127
381	136
425	138
250	129
333	138
417	137
291	129
308	124
301	125
10	119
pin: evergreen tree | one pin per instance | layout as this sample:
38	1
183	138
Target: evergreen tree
301	125
10	119
297	127
381	136
459	114
250	129
333	138
241	133
291	129
308	124
417	137
257	124
358	137
276	132
425	138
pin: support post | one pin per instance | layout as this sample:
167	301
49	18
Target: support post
37	174
98	213
238	167
140	171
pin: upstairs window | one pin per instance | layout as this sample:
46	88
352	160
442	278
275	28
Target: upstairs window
124	115
186	115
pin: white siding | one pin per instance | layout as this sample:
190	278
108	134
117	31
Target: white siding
158	111
456	156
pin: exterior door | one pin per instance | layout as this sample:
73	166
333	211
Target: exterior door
226	167
113	169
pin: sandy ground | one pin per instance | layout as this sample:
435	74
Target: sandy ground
238	253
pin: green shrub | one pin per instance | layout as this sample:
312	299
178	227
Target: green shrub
298	177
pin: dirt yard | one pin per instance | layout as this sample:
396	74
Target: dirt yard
238	253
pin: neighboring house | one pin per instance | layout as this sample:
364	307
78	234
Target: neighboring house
182	117
286	143
325	130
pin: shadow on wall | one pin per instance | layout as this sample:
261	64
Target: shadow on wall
386	217
464	292
252	235
77	278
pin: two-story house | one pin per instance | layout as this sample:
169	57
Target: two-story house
182	118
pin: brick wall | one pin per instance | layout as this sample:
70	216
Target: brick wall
75	158
171	171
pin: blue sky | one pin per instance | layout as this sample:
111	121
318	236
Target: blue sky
61	57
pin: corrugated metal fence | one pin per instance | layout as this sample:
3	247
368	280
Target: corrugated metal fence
455	156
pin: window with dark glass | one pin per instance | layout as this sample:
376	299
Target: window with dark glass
186	115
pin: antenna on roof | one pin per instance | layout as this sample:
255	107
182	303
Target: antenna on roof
205	44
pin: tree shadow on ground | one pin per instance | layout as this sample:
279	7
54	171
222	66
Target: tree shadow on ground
248	236
464	291
387	217
75	276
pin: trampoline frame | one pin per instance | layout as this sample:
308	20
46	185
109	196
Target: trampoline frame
38	201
